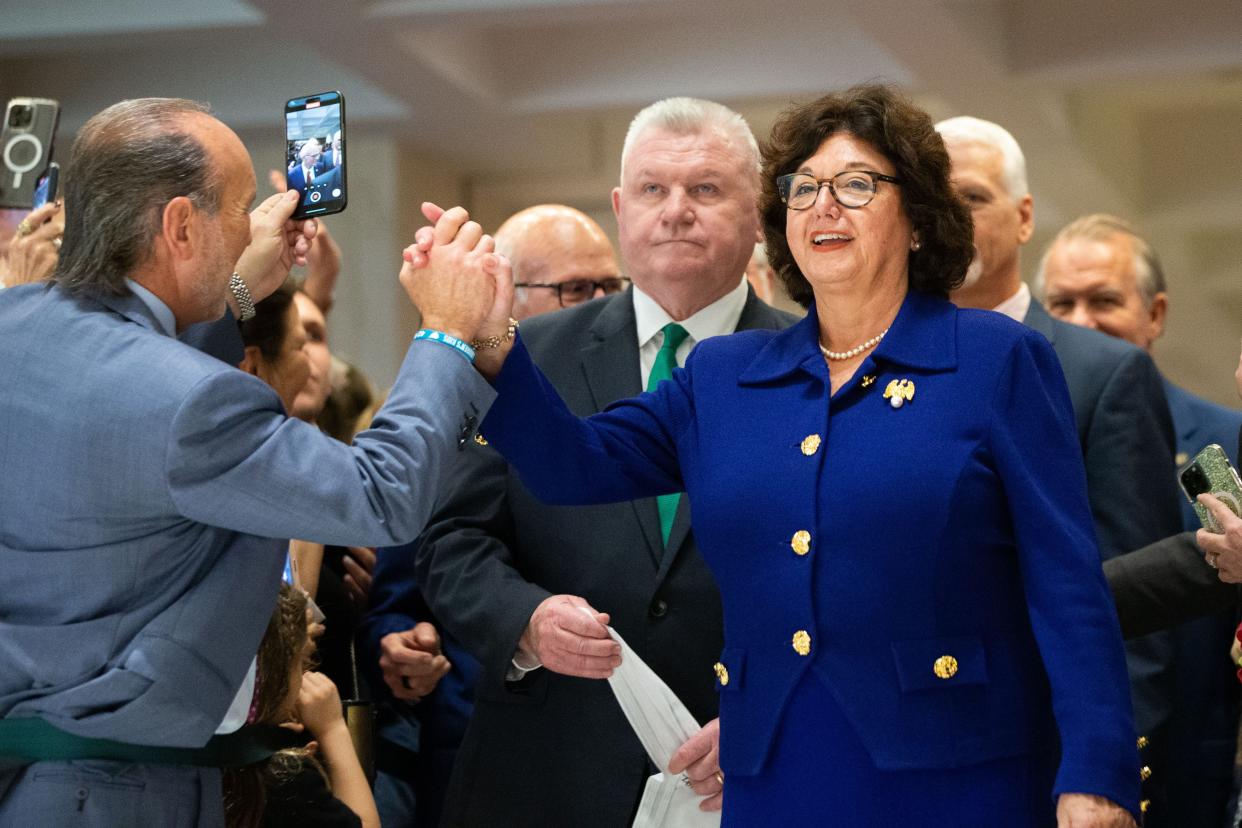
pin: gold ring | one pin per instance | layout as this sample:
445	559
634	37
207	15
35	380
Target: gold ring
24	227
720	778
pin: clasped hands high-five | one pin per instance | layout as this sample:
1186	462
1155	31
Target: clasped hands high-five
459	283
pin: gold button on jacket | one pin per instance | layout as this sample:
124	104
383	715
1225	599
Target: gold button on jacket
802	642
945	667
722	673
810	444
801	542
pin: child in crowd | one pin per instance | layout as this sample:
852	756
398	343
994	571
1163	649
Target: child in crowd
292	787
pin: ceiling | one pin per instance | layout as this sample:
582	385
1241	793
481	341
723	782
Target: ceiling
1132	106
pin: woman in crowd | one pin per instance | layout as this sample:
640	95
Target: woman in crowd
892	499
275	343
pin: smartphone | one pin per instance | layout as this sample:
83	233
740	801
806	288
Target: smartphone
46	189
25	148
315	153
1211	472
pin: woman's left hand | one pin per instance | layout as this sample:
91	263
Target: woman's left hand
1075	810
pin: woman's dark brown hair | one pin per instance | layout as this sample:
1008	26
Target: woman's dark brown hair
280	652
904	134
269	326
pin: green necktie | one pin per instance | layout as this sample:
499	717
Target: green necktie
665	362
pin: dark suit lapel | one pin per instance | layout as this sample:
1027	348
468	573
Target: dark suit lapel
610	366
755	316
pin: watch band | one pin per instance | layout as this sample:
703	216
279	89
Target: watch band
245	302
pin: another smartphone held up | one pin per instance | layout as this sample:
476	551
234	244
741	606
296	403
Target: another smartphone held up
25	148
1210	472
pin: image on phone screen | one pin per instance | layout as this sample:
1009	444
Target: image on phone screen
45	190
315	153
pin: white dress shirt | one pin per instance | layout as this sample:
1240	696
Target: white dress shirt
1016	306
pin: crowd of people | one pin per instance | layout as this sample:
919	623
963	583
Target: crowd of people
919	550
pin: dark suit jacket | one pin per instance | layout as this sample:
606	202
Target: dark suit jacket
553	749
297	179
1204	725
1128	448
1165	584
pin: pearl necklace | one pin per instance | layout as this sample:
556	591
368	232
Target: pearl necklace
853	352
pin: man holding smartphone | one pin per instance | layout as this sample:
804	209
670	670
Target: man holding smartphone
149	487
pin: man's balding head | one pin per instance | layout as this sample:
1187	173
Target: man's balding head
157	190
551	244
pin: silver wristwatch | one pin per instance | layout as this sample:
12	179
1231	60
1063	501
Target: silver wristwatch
245	302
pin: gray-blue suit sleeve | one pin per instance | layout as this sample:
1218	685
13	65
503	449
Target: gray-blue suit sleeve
235	460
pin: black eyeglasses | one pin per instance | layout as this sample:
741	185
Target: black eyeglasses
852	188
577	291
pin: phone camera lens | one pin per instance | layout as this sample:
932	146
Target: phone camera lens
21	116
1195	480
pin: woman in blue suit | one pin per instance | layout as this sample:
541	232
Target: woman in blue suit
892	499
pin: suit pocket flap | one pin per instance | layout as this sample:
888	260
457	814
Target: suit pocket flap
935	663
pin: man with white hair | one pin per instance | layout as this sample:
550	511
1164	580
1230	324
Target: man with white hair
1100	273
1119	404
529	588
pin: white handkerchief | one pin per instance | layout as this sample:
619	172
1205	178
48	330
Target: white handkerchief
662	723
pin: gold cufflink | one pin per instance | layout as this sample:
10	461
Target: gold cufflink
899	392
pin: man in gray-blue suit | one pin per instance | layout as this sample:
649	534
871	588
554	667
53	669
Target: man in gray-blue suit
1119	403
1099	273
148	487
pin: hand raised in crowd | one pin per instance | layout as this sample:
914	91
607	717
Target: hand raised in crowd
359	563
496	322
699	759
412	663
277	243
319	708
319	704
1223	551
35	247
1075	810
568	641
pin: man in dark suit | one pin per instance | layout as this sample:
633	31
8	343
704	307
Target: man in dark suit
424	683
1119	403
1099	273
307	170
510	577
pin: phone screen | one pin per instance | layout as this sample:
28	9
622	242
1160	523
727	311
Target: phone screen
315	153
45	190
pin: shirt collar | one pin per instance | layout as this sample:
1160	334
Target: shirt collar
162	313
717	319
924	335
1016	306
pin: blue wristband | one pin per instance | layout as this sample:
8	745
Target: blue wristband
451	341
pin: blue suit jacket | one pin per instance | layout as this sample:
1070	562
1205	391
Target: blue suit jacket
396	604
146	497
957	524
